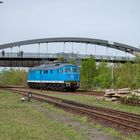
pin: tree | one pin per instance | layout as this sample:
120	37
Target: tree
126	75
136	83
87	73
103	78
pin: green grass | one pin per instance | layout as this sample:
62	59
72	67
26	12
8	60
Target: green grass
91	100
21	121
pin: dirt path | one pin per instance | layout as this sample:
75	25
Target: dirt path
87	130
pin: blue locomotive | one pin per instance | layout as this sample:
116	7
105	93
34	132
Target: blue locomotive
56	76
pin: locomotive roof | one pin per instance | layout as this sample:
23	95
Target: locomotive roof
51	66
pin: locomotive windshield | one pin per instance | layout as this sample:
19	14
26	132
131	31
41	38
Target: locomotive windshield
75	70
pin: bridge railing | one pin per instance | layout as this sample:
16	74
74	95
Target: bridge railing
65	55
104	57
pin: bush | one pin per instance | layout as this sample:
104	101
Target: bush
13	77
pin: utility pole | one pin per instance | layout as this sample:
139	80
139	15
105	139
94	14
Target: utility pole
112	75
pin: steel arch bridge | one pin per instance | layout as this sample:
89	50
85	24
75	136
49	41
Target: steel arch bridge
33	59
106	43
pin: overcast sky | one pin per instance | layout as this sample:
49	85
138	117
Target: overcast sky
115	20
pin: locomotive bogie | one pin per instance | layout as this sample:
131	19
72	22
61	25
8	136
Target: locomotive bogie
54	86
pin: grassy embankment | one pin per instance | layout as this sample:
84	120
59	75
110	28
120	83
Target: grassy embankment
21	121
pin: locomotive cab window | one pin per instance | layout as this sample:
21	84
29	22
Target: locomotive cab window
75	70
67	69
60	71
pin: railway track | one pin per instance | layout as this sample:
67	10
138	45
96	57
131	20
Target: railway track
127	123
78	92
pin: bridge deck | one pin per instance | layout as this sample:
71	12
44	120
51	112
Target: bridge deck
33	59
